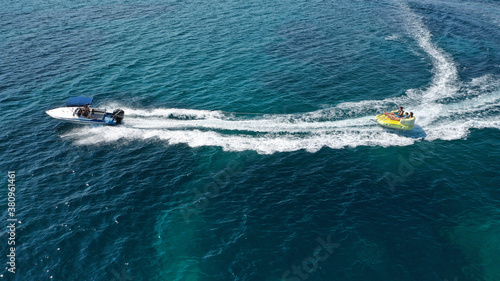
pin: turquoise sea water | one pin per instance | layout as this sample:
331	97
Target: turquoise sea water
248	150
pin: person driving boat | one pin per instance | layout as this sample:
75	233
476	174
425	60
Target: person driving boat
84	111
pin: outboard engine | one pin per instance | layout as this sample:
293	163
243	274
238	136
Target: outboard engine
118	115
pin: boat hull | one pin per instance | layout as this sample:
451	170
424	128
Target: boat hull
68	114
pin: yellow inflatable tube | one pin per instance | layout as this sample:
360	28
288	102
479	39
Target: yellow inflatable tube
403	124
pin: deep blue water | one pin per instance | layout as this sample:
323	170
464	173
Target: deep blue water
248	152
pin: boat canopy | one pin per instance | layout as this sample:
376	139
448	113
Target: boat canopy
78	101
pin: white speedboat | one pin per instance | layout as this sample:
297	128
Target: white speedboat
78	111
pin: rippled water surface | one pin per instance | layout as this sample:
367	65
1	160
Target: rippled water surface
248	150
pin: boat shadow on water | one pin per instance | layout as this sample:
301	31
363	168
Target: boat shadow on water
417	133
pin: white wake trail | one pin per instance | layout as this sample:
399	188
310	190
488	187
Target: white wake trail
260	125
446	109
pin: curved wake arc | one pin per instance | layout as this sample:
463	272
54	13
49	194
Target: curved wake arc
345	125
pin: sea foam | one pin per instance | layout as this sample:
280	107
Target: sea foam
445	110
